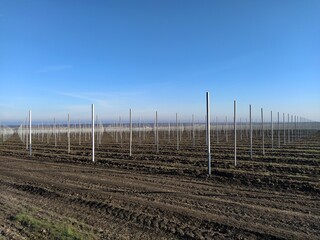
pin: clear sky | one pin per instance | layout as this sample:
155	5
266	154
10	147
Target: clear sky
58	57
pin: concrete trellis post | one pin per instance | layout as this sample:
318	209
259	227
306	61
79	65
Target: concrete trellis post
235	131
217	130
288	128
284	129
68	133
250	117
30	132
55	132
92	129
262	126
177	131
79	133
278	129
271	131
130	137
193	132
157	132
208	132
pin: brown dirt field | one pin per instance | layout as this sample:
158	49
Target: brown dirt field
165	195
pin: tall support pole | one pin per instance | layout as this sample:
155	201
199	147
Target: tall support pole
79	132
154	132
38	132
116	130
130	137
55	132
250	117
85	131
288	128
92	129
262	128
139	130
271	131
299	127
235	131
177	131
48	132
217	130
292	128
193	133
295	127
157	132
101	132
42	132
68	133
169	132
226	129
208	132
284	128
292	136
278	129
30	140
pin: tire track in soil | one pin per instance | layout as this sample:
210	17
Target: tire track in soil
241	177
182	165
95	204
105	227
192	228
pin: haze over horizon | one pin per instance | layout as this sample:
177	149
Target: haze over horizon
59	57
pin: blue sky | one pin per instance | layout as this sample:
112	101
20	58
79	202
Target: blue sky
58	57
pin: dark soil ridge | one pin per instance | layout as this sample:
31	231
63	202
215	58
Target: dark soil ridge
180	227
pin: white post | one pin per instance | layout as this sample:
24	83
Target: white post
79	132
55	132
68	133
157	133
193	133
30	142
250	116
295	127
140	130
217	130
130	144
208	133
154	132
169	132
226	129
48	131
101	132
235	131
288	129
292	136
38	132
271	131
42	133
300	120
278	130
284	129
92	125
177	131
263	152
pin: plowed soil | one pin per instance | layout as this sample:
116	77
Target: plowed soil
165	195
